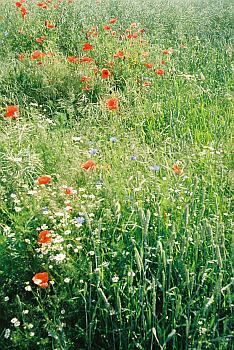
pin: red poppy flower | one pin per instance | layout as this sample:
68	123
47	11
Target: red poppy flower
40	40
49	25
72	59
91	34
85	60
37	55
119	54
41	279
89	165
23	11
163	62
107	27
113	34
85	78
69	190
18	4
44	180
105	73
142	30
177	170
147	84
12	112
148	65
166	52
86	88
112	103
113	20
87	47
160	71
21	57
42	5
45	237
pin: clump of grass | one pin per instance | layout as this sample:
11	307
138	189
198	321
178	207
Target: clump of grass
138	248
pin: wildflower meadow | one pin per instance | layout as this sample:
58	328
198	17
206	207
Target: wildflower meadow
116	170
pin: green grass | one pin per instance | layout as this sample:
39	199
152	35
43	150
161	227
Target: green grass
144	258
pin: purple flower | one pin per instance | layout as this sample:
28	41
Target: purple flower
93	151
133	157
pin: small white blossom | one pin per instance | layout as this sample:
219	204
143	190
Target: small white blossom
17	209
28	288
7	333
115	279
14	320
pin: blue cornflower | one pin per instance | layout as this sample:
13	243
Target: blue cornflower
93	151
45	210
133	157
155	167
80	220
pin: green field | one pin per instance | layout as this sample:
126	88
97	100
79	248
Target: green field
116	168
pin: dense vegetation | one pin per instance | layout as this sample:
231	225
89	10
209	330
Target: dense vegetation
115	175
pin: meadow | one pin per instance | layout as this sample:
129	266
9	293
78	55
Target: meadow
116	168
